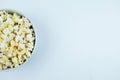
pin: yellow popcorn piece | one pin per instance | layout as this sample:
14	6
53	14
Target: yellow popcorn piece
5	60
12	43
28	54
0	66
1	40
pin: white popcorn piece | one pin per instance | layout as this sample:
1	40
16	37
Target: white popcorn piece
1	60
11	36
6	31
21	46
28	31
1	54
16	64
5	38
20	21
14	60
18	38
10	21
10	53
1	20
3	45
30	46
15	27
10	28
9	64
15	17
29	37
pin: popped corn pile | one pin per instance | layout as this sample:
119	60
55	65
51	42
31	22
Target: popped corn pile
17	39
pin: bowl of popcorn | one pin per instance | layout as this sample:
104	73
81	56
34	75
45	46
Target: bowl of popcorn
17	39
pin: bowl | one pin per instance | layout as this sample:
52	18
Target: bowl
20	47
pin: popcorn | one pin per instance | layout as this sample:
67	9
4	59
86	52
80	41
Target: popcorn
16	27
29	36
5	59
11	36
6	31
14	60
16	40
1	60
3	45
5	38
28	54
10	21
12	43
21	46
30	46
0	66
9	53
1	20
1	40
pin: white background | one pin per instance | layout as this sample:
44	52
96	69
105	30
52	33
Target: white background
76	40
